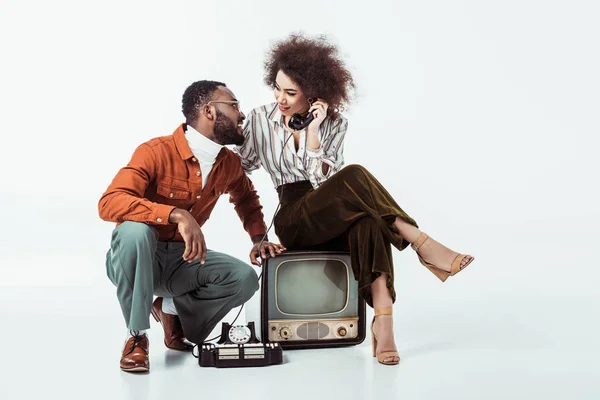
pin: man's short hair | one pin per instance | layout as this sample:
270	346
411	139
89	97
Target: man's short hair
197	94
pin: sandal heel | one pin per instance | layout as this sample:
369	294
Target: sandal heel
384	354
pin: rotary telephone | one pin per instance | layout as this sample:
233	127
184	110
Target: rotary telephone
239	347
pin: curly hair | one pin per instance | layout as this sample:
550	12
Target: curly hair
314	64
195	95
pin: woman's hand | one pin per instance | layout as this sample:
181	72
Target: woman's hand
319	110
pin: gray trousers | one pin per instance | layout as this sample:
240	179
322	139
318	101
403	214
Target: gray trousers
141	266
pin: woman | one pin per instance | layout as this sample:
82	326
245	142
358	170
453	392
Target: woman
323	205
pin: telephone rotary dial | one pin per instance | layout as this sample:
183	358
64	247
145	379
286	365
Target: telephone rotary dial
239	334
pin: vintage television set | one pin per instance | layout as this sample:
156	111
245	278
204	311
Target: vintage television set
309	299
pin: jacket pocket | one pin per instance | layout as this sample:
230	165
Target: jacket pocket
171	192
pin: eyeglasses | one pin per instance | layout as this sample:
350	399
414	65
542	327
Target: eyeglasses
234	103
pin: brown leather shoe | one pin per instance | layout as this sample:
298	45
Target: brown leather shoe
174	337
135	354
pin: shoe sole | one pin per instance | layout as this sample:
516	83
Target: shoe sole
135	369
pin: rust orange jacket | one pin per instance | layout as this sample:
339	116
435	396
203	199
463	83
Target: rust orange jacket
163	174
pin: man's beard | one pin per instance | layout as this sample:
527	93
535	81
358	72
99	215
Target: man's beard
226	132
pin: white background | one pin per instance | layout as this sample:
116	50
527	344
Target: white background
479	117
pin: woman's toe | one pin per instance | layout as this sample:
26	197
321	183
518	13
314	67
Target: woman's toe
466	261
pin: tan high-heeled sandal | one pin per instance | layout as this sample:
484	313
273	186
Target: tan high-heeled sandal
384	354
442	275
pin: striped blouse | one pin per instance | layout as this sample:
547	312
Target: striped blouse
265	135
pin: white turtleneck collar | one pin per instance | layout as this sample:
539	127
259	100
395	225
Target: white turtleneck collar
200	144
205	150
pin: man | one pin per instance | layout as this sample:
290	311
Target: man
160	201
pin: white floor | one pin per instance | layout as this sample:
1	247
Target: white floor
64	342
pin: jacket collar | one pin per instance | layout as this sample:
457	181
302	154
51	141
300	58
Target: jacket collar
181	143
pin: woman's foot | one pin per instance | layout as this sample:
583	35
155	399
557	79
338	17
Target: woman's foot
440	260
384	334
439	255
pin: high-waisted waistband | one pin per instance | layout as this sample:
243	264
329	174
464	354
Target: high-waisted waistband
290	192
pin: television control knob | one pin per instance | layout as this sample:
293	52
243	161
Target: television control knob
285	332
342	331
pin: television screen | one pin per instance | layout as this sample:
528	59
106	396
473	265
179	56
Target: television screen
311	287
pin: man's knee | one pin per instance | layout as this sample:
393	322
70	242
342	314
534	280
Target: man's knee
134	232
247	281
130	241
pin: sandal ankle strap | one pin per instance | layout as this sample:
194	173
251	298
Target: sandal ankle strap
419	242
383	311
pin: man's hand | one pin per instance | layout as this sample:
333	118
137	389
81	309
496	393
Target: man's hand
190	231
273	250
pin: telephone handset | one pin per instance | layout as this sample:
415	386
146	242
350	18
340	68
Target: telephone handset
297	122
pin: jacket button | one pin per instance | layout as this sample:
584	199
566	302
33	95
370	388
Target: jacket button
198	196
170	194
198	173
158	219
194	159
